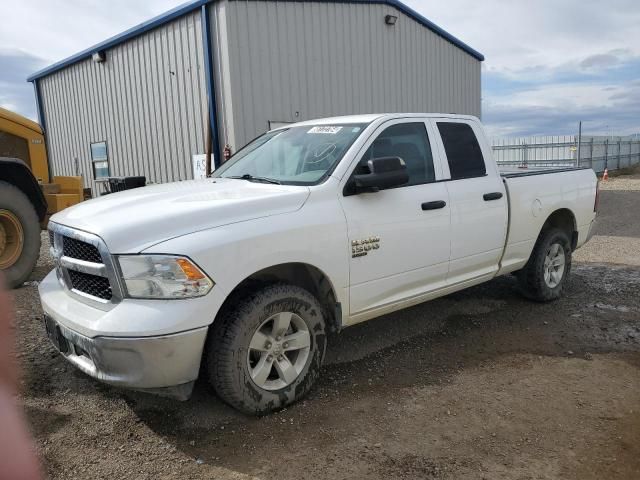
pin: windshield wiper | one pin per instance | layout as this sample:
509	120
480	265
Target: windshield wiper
251	178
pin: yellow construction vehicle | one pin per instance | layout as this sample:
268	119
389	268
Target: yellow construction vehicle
27	198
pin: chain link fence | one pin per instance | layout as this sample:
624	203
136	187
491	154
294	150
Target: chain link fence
597	152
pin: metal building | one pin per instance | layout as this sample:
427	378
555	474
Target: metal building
142	102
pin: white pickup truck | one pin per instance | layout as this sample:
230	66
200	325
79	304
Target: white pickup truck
308	229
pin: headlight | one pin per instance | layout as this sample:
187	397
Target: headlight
162	276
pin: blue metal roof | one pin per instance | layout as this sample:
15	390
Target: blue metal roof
194	4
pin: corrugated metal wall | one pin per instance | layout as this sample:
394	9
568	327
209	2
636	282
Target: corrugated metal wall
148	101
290	61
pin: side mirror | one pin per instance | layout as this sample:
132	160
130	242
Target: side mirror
384	172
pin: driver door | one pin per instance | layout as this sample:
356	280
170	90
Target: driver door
399	237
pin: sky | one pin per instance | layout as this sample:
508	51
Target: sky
548	63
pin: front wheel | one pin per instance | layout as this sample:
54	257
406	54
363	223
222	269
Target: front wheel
266	352
546	274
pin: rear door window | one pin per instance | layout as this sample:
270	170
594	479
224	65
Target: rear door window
463	151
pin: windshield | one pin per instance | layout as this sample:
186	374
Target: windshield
295	156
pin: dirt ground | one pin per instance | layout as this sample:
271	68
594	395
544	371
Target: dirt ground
481	384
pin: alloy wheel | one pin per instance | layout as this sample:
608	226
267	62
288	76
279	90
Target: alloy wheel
278	351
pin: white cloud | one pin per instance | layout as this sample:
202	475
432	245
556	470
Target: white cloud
565	95
557	109
518	35
550	64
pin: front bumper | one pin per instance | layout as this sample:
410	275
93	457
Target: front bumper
166	363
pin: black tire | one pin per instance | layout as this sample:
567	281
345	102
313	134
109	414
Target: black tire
532	277
16	202
228	348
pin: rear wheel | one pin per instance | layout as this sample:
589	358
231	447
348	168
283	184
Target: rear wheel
266	351
545	275
19	235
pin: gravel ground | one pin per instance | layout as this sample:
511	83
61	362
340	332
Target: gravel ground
479	384
617	232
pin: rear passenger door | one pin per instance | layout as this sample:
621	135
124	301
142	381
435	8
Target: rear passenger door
477	197
399	236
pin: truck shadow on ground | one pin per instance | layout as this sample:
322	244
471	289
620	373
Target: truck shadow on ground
425	345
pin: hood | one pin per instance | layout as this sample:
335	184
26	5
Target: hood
133	220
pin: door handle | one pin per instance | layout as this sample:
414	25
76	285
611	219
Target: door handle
492	196
434	205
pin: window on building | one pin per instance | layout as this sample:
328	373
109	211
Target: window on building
410	142
100	160
462	149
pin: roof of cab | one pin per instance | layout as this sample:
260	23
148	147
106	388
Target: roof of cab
365	118
371	117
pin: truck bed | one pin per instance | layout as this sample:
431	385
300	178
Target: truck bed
533	198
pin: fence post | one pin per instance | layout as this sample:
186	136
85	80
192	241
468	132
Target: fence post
619	152
579	142
606	153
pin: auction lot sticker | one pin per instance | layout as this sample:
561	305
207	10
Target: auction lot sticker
325	129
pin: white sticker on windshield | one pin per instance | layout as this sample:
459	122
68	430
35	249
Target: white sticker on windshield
325	129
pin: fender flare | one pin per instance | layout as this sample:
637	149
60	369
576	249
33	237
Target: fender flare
17	173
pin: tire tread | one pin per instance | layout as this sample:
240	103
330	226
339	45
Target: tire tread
531	277
14	200
221	361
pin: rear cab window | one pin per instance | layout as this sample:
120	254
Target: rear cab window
463	151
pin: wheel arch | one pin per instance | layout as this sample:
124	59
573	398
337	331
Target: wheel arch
303	275
16	173
564	219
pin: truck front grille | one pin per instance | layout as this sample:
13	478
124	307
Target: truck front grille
84	266
80	250
93	285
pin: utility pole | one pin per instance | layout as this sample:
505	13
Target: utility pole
579	142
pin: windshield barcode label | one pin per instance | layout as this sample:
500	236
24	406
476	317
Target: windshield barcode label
325	129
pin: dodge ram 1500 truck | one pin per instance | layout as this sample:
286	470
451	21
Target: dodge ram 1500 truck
308	229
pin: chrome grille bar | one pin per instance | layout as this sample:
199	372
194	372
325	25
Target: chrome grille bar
85	268
98	269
